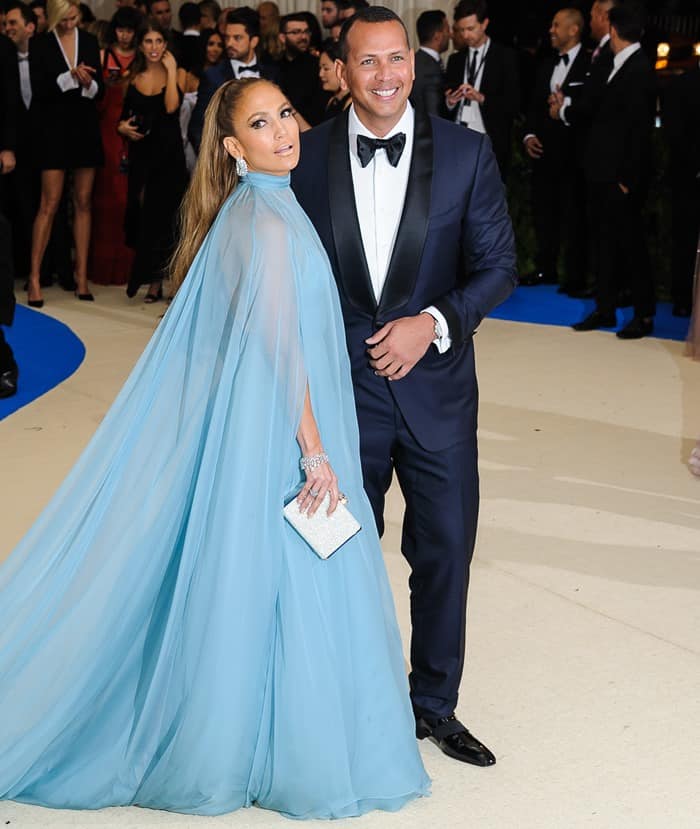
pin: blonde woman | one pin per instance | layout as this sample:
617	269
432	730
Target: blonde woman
201	656
66	83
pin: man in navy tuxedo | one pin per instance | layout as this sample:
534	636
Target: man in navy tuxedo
413	216
242	36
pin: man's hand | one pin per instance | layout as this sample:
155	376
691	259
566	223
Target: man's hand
472	94
7	162
399	345
622	187
454	96
533	147
556	102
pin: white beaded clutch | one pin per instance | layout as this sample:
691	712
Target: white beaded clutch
322	532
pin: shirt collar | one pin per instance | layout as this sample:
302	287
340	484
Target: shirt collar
603	41
625	53
434	54
481	50
239	64
356	127
572	53
191	33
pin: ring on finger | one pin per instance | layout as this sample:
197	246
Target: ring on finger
314	493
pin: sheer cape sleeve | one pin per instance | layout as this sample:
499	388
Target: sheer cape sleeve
191	464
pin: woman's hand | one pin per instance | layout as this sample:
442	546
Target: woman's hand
129	130
83	74
169	62
319	481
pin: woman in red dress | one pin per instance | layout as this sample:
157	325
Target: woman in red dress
110	258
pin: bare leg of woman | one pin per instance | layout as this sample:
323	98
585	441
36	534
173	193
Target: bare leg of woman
51	190
83	181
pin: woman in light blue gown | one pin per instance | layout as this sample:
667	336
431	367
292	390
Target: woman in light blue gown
166	639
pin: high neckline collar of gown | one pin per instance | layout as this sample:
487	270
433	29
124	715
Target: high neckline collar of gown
266	181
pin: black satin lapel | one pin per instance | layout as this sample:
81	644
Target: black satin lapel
353	272
408	249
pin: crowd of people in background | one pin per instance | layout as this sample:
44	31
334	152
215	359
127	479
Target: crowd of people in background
102	122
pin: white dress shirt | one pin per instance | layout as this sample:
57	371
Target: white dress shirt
622	57
380	192
471	115
25	83
241	69
559	74
66	80
561	70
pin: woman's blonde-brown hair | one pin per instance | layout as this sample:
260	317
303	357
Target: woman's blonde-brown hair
56	10
213	180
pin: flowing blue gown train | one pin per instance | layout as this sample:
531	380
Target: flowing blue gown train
166	639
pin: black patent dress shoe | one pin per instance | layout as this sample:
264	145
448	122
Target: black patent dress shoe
8	383
580	293
454	740
636	328
538	278
594	321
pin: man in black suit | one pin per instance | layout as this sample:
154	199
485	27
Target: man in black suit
241	37
24	185
558	204
681	122
298	69
617	162
412	213
190	16
482	81
9	104
428	93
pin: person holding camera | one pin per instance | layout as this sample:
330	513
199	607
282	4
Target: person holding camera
157	171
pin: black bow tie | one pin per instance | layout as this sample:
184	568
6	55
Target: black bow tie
252	68
367	147
564	58
21	59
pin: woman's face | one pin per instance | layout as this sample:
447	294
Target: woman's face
125	38
215	49
266	132
69	22
327	74
153	46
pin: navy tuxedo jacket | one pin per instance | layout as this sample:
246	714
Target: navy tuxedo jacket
454	250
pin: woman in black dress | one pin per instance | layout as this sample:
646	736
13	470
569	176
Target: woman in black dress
66	83
330	82
157	172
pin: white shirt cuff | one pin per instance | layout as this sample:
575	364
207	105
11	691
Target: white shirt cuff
442	342
90	91
529	135
66	81
562	111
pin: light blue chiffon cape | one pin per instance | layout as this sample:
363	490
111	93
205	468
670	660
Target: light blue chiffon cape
166	639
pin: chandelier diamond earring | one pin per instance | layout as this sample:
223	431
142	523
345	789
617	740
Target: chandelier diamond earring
241	167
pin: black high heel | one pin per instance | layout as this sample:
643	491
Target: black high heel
85	297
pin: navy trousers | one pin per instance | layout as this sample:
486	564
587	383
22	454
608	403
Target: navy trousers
441	490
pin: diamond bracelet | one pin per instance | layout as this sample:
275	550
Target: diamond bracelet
313	461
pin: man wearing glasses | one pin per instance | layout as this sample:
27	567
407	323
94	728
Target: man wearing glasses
299	68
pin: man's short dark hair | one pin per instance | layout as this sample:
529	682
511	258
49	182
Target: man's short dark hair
189	15
428	25
246	17
38	4
292	17
151	3
371	14
466	8
26	12
628	23
344	5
